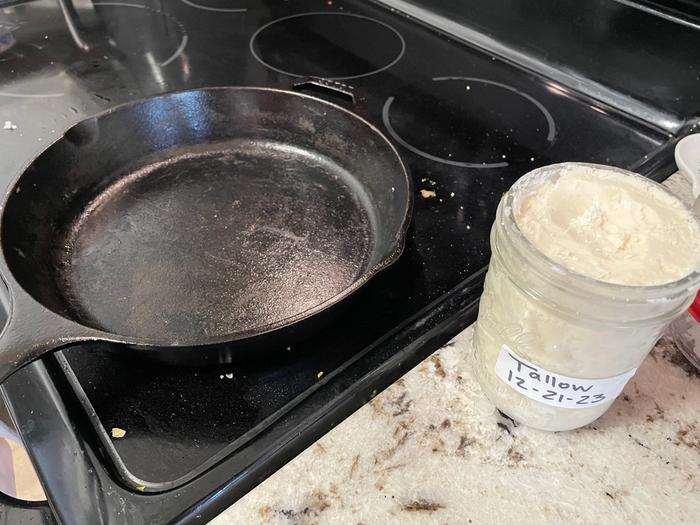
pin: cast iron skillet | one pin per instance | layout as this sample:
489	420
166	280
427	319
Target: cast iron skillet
187	223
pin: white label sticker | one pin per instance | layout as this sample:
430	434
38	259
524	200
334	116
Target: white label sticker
555	389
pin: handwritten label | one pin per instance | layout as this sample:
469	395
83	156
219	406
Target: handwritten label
555	389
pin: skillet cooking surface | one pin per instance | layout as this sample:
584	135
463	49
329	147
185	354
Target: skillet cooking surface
214	239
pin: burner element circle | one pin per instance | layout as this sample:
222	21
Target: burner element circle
200	5
183	39
129	31
476	115
332	45
9	94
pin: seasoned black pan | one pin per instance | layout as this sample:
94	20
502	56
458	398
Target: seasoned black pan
189	222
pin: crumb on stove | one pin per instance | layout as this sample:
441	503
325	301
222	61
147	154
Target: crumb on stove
319	375
118	433
427	194
228	376
141	488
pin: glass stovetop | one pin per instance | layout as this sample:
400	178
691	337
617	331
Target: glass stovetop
467	124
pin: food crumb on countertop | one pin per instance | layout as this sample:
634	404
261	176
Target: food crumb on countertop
118	433
9	125
427	194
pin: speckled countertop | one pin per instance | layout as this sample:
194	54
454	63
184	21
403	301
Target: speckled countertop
432	449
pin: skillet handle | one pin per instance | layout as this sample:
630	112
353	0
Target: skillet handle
32	331
323	86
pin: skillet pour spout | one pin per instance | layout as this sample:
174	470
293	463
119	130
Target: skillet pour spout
197	221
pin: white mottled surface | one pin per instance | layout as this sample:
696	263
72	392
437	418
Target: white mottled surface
432	449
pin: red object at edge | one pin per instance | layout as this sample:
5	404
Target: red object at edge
695	308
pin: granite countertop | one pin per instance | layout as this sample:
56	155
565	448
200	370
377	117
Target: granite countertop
432	449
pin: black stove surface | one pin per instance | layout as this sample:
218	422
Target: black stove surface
467	124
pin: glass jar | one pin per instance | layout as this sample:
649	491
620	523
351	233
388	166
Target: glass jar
553	348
